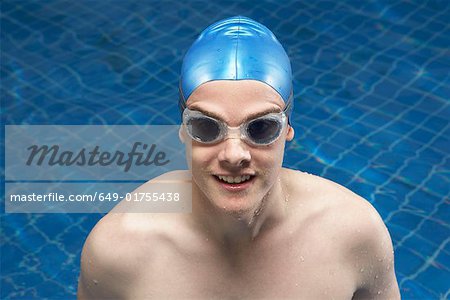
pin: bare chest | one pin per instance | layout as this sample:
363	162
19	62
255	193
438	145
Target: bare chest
278	271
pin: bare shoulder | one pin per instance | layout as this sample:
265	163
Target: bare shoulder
122	247
119	246
357	231
102	260
335	202
110	255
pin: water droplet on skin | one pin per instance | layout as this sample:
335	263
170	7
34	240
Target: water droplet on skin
361	270
302	259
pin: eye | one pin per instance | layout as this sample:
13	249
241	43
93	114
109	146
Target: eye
263	130
204	129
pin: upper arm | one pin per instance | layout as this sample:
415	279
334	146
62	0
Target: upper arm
103	275
373	252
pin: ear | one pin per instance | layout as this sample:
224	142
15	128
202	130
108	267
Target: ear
182	134
290	133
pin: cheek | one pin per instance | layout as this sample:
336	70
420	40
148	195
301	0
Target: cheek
201	157
270	162
270	158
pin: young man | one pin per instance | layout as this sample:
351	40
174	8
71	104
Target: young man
257	230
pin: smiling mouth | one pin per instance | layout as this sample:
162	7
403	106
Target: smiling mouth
234	180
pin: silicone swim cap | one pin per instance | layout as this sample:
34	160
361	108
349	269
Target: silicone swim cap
236	48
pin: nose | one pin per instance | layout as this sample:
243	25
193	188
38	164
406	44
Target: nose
234	153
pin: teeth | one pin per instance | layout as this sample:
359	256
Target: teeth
238	179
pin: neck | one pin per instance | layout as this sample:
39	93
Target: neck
240	228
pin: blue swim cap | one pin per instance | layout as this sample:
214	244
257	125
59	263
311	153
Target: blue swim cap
236	48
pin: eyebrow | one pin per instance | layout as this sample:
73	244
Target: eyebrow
250	117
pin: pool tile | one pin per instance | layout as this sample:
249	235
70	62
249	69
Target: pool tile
424	201
411	290
407	261
434	231
438	183
419	245
439	284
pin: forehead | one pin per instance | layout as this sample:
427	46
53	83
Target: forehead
235	98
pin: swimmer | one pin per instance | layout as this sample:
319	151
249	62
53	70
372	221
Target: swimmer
257	230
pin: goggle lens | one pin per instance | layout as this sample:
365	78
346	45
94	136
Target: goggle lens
264	130
260	131
204	129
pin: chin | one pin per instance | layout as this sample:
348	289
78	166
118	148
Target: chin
235	205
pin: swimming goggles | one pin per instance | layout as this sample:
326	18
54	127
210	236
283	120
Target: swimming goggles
260	131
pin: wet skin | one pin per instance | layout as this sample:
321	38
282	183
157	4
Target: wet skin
282	235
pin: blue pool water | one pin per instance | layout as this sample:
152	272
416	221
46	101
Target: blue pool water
372	90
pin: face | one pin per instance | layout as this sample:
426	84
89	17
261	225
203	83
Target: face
254	169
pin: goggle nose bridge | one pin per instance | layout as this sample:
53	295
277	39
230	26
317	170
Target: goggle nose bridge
233	133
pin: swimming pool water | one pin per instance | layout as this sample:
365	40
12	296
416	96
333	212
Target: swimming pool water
372	90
